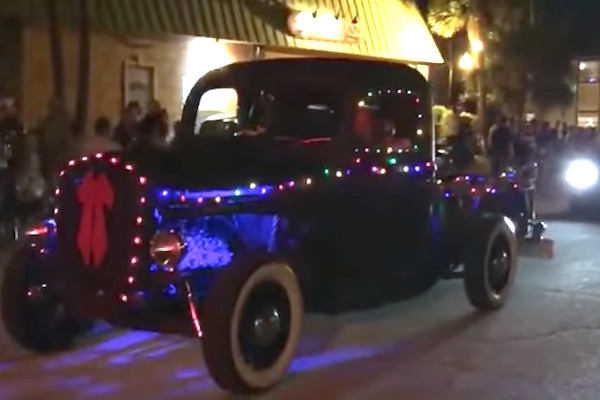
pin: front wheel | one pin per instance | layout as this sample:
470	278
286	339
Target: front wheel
33	314
490	263
251	324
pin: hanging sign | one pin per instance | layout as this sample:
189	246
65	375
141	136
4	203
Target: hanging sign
324	26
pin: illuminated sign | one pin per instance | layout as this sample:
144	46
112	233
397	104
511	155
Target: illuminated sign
317	26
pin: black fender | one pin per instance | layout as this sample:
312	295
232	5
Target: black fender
516	205
490	220
35	256
33	264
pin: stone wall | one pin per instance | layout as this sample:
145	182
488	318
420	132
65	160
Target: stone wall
109	55
10	59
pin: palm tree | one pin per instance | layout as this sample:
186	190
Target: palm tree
533	62
447	18
480	20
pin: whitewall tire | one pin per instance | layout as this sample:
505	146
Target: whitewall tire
251	323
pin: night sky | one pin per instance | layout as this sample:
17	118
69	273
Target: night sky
586	17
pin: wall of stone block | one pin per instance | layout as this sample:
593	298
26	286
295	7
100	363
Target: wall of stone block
110	54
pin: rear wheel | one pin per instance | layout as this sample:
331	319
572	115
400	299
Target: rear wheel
34	315
490	264
251	324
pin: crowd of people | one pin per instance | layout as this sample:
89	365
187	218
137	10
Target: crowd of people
30	158
133	130
515	143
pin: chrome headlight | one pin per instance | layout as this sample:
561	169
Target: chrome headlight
166	249
581	174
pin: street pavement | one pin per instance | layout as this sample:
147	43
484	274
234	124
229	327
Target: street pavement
542	346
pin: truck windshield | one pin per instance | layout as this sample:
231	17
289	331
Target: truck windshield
288	112
296	114
367	116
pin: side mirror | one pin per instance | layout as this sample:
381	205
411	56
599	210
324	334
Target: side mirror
218	128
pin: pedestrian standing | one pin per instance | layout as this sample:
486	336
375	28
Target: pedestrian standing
500	143
101	141
126	130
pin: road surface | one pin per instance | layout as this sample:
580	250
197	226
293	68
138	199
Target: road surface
542	345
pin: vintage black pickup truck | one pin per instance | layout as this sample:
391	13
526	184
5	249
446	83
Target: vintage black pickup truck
324	188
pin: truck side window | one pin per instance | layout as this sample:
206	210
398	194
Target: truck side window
217	112
387	117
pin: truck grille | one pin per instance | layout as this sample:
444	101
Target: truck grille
97	207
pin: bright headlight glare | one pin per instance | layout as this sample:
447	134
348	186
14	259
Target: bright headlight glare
581	174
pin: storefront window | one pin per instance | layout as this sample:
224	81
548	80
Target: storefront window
587	120
588	97
589	71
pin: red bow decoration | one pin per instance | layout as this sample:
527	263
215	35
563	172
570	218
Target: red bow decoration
94	194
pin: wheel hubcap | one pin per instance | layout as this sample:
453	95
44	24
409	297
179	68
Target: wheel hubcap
499	268
265	325
48	310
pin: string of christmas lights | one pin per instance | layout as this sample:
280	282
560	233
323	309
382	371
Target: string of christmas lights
254	189
467	184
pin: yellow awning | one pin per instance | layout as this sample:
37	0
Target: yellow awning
388	29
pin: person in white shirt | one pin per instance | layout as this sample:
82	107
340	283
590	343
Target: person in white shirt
101	141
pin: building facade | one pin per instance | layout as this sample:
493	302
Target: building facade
156	49
587	104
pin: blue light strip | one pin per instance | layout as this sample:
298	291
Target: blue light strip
198	196
253	190
169	195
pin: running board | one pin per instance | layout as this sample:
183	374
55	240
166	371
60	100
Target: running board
537	248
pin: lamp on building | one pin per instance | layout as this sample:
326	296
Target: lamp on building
476	46
473	61
466	62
